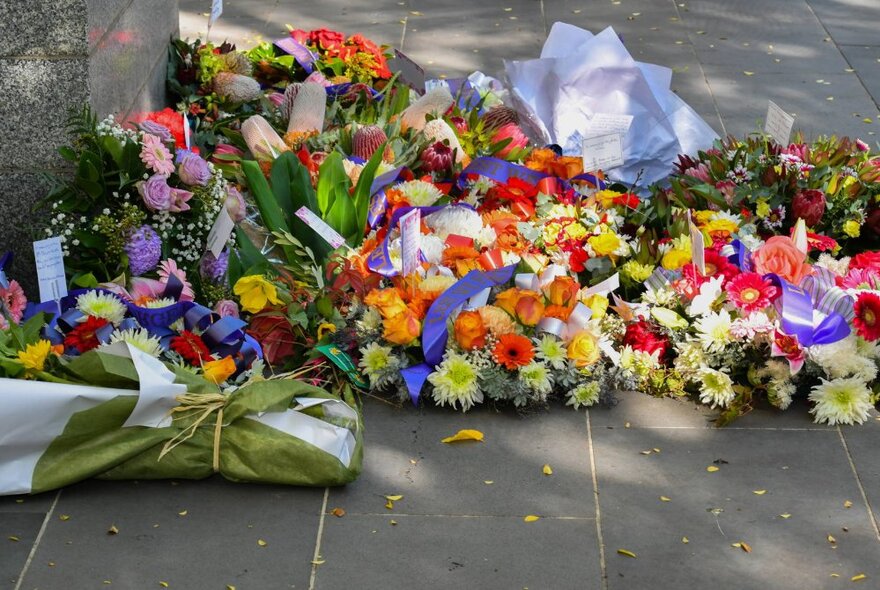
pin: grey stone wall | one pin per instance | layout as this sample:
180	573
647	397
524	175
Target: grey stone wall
56	55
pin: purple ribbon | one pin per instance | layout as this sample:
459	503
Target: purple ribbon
434	331
300	52
337	90
379	201
4	262
502	171
796	308
737	253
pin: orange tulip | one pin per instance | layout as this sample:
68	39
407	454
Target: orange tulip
402	329
470	331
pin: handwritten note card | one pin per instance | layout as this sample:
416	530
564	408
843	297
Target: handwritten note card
602	152
50	269
778	124
220	232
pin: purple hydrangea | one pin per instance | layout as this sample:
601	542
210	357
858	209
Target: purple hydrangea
144	249
192	169
214	269
160	131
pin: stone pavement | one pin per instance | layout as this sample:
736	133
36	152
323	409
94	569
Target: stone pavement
804	499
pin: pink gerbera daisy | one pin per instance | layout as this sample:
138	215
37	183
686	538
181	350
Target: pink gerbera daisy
13	301
156	156
168	268
750	292
861	278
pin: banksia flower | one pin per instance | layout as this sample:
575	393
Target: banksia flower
439	130
236	87
499	117
261	139
437	157
308	103
366	141
238	63
437	101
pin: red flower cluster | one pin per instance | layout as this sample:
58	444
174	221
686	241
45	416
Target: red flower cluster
333	44
716	265
275	334
171	120
192	348
84	337
866	261
646	337
517	194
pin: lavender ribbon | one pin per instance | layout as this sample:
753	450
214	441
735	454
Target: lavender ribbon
434	331
796	308
379	201
300	52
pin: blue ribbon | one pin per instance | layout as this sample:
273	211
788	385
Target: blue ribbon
379	201
434	331
300	52
796	308
4	262
741	255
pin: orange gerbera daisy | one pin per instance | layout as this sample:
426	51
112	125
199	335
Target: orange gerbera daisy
513	350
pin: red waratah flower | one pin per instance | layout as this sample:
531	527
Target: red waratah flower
84	338
646	337
750	292
437	157
808	205
192	348
867	320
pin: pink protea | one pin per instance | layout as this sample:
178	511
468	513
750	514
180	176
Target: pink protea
366	141
515	134
437	157
14	301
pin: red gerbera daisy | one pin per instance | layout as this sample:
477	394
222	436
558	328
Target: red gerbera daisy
513	350
716	265
84	338
750	292
867	320
192	348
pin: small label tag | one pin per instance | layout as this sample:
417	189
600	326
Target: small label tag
220	232
411	73
216	11
344	362
50	269
698	246
410	238
603	152
778	124
604	123
186	132
330	235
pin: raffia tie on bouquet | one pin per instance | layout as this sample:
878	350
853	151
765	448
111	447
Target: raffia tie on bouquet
203	404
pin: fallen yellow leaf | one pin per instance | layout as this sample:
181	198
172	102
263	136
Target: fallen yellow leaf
656	450
648	452
338	512
626	425
711	468
182	513
394	498
488	482
627	553
261	543
230	587
685	540
785	515
531	518
831	539
318	562
858	578
759	492
14	539
835	575
847	504
665	499
163	584
389	505
749	73
64	517
867	120
745	547
547	470
393	523
113	530
463	435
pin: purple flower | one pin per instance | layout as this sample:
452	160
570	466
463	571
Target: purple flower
156	193
214	269
235	205
226	308
144	248
193	170
160	131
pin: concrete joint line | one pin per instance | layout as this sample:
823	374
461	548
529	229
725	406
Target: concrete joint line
403	32
852	465
602	567
30	557
314	575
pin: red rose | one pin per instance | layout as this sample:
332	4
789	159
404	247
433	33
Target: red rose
646	337
275	335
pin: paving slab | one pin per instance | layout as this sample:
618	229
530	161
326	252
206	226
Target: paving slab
862	444
849	22
189	534
866	61
805	475
438	553
403	455
18	532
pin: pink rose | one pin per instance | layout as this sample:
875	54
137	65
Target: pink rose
780	256
156	193
226	308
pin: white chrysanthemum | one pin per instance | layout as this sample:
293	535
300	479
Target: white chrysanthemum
638	362
552	351
139	338
101	305
370	321
486	237
748	236
585	394
733	217
460	221
841	401
839	266
717	390
842	359
376	361
432	248
779	393
714	330
481	185
662	297
456	381
419	193
160	303
395	255
536	377
776	370
868	349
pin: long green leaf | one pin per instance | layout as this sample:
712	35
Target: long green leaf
363	193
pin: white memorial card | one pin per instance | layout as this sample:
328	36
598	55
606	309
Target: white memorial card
602	152
410	238
50	269
698	246
220	233
778	124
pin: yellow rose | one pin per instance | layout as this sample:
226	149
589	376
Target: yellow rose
604	244
255	292
598	304
220	370
583	349
852	228
675	259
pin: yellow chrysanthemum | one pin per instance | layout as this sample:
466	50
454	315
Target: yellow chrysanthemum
255	292
721	225
763	208
33	358
701	218
675	259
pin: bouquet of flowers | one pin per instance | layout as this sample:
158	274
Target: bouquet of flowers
139	196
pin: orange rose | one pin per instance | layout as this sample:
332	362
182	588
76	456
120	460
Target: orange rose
562	291
462	259
529	308
507	299
402	329
387	301
470	331
780	256
560	312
